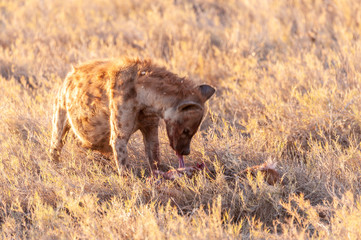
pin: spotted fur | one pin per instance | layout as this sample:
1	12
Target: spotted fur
105	101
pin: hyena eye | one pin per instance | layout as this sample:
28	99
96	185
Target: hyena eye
186	131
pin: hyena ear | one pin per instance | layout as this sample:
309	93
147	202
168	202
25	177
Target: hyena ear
189	105
206	91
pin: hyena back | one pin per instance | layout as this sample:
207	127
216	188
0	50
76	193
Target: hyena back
105	101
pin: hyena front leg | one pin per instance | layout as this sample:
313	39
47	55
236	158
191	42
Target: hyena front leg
122	122
149	130
151	143
60	129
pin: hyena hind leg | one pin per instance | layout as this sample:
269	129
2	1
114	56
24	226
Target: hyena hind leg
60	129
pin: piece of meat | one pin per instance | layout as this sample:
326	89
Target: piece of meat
173	174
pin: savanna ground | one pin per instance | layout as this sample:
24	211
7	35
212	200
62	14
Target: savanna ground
288	80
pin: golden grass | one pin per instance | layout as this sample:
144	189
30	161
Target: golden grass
288	90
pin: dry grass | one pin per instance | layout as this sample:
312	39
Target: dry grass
288	90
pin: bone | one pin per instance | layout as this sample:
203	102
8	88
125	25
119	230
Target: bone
271	175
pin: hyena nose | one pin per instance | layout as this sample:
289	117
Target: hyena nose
186	151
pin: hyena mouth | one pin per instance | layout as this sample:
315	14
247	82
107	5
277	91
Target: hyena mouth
180	159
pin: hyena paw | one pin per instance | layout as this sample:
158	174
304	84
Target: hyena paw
54	155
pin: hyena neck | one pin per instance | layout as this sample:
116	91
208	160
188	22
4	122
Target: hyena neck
159	103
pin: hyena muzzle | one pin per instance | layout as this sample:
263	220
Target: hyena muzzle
105	101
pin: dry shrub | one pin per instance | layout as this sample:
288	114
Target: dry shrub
19	73
343	131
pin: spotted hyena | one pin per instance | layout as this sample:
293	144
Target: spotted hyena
105	101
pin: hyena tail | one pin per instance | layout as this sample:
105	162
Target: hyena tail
60	129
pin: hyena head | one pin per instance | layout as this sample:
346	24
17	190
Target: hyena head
183	120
